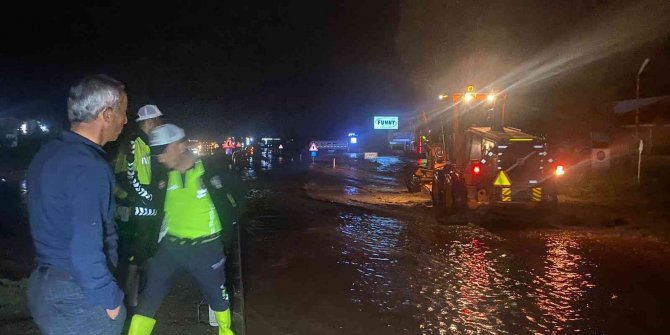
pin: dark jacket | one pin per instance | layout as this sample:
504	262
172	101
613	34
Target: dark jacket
71	208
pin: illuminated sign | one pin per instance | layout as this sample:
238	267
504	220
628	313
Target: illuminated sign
386	122
353	138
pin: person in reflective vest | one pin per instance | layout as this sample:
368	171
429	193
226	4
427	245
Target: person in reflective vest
138	207
193	233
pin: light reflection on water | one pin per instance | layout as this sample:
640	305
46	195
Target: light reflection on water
263	163
465	282
389	164
464	288
350	190
266	160
562	285
23	191
248	172
371	248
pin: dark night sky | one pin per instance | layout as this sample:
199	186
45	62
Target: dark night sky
320	68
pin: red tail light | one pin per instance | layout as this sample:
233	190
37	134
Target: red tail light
476	169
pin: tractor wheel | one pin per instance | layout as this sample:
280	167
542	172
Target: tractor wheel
444	202
412	181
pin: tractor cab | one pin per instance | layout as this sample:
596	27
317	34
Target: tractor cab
508	166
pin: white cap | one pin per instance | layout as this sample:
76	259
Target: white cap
147	112
165	134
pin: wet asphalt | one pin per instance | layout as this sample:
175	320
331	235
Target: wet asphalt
318	262
330	267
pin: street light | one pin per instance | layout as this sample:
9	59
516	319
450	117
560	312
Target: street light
491	97
467	97
637	98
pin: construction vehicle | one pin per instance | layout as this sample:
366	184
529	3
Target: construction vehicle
481	165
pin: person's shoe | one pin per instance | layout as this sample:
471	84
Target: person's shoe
141	325
223	318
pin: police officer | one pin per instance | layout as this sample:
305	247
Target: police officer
139	207
193	233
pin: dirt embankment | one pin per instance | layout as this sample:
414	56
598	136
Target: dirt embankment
615	198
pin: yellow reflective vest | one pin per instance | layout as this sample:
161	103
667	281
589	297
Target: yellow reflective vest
189	209
142	163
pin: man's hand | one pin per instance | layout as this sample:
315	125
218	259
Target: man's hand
113	313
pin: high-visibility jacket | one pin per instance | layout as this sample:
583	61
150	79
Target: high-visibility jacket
189	209
136	163
142	161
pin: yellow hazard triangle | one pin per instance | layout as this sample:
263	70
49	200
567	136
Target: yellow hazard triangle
502	180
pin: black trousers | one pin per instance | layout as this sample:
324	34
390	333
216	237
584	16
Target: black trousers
138	239
204	262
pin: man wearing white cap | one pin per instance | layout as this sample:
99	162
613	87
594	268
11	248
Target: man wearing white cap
193	234
138	209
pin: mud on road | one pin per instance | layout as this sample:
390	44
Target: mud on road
348	251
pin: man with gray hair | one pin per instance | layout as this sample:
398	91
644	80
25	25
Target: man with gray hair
71	210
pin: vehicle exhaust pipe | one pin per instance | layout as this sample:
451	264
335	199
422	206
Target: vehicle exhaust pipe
498	117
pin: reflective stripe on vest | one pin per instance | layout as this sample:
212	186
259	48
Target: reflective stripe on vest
142	164
189	210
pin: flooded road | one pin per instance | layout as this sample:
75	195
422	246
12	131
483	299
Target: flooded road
324	267
346	250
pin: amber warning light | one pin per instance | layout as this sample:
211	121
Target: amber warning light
560	170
